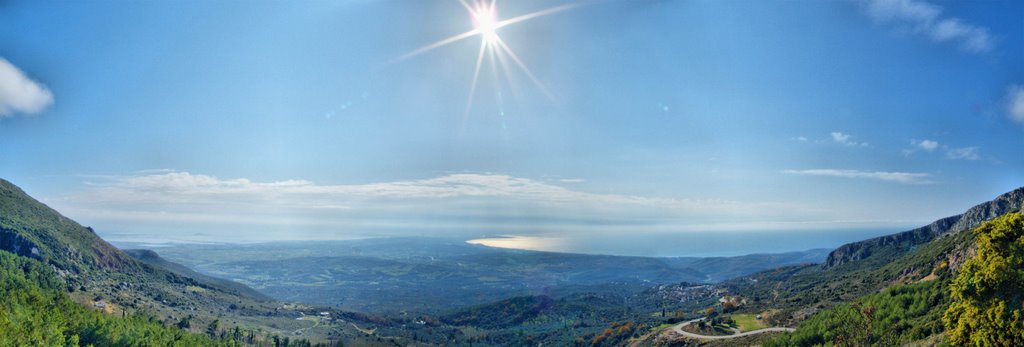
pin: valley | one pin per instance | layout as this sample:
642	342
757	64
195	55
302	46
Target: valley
428	275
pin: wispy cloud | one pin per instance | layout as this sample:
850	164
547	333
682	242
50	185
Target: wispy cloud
965	153
846	139
952	153
921	145
450	202
926	19
927	145
20	94
1015	103
888	176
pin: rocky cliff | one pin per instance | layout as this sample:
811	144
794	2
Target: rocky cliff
900	243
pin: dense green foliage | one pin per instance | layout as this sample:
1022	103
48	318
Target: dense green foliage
502	314
981	307
988	294
37	312
898	314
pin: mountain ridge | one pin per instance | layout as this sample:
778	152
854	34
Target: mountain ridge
30	228
902	242
897	272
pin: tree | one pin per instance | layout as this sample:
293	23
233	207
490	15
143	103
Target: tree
989	291
211	330
729	306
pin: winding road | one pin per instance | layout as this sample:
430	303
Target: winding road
678	329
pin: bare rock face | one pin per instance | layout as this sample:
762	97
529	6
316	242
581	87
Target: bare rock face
16	243
903	242
959	255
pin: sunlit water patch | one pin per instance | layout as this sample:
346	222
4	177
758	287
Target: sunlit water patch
533	243
685	244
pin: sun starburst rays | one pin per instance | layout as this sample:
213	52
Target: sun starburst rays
484	16
476	74
522	66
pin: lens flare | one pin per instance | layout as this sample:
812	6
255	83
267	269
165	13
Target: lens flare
484	16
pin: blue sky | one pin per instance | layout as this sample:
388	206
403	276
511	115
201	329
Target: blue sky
279	120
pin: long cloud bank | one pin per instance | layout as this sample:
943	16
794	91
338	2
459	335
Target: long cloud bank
174	201
897	177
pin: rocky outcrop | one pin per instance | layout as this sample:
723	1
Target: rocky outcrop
900	243
15	243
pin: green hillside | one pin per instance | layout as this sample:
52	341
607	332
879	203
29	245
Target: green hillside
917	291
66	284
97	274
29	228
37	312
896	289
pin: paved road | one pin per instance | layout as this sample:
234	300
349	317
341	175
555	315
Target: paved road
678	329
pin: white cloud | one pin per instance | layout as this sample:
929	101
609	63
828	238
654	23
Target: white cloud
840	137
18	93
155	199
898	177
960	153
1015	103
972	38
846	139
926	19
927	145
184	187
965	153
909	10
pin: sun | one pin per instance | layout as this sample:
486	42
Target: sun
486	23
